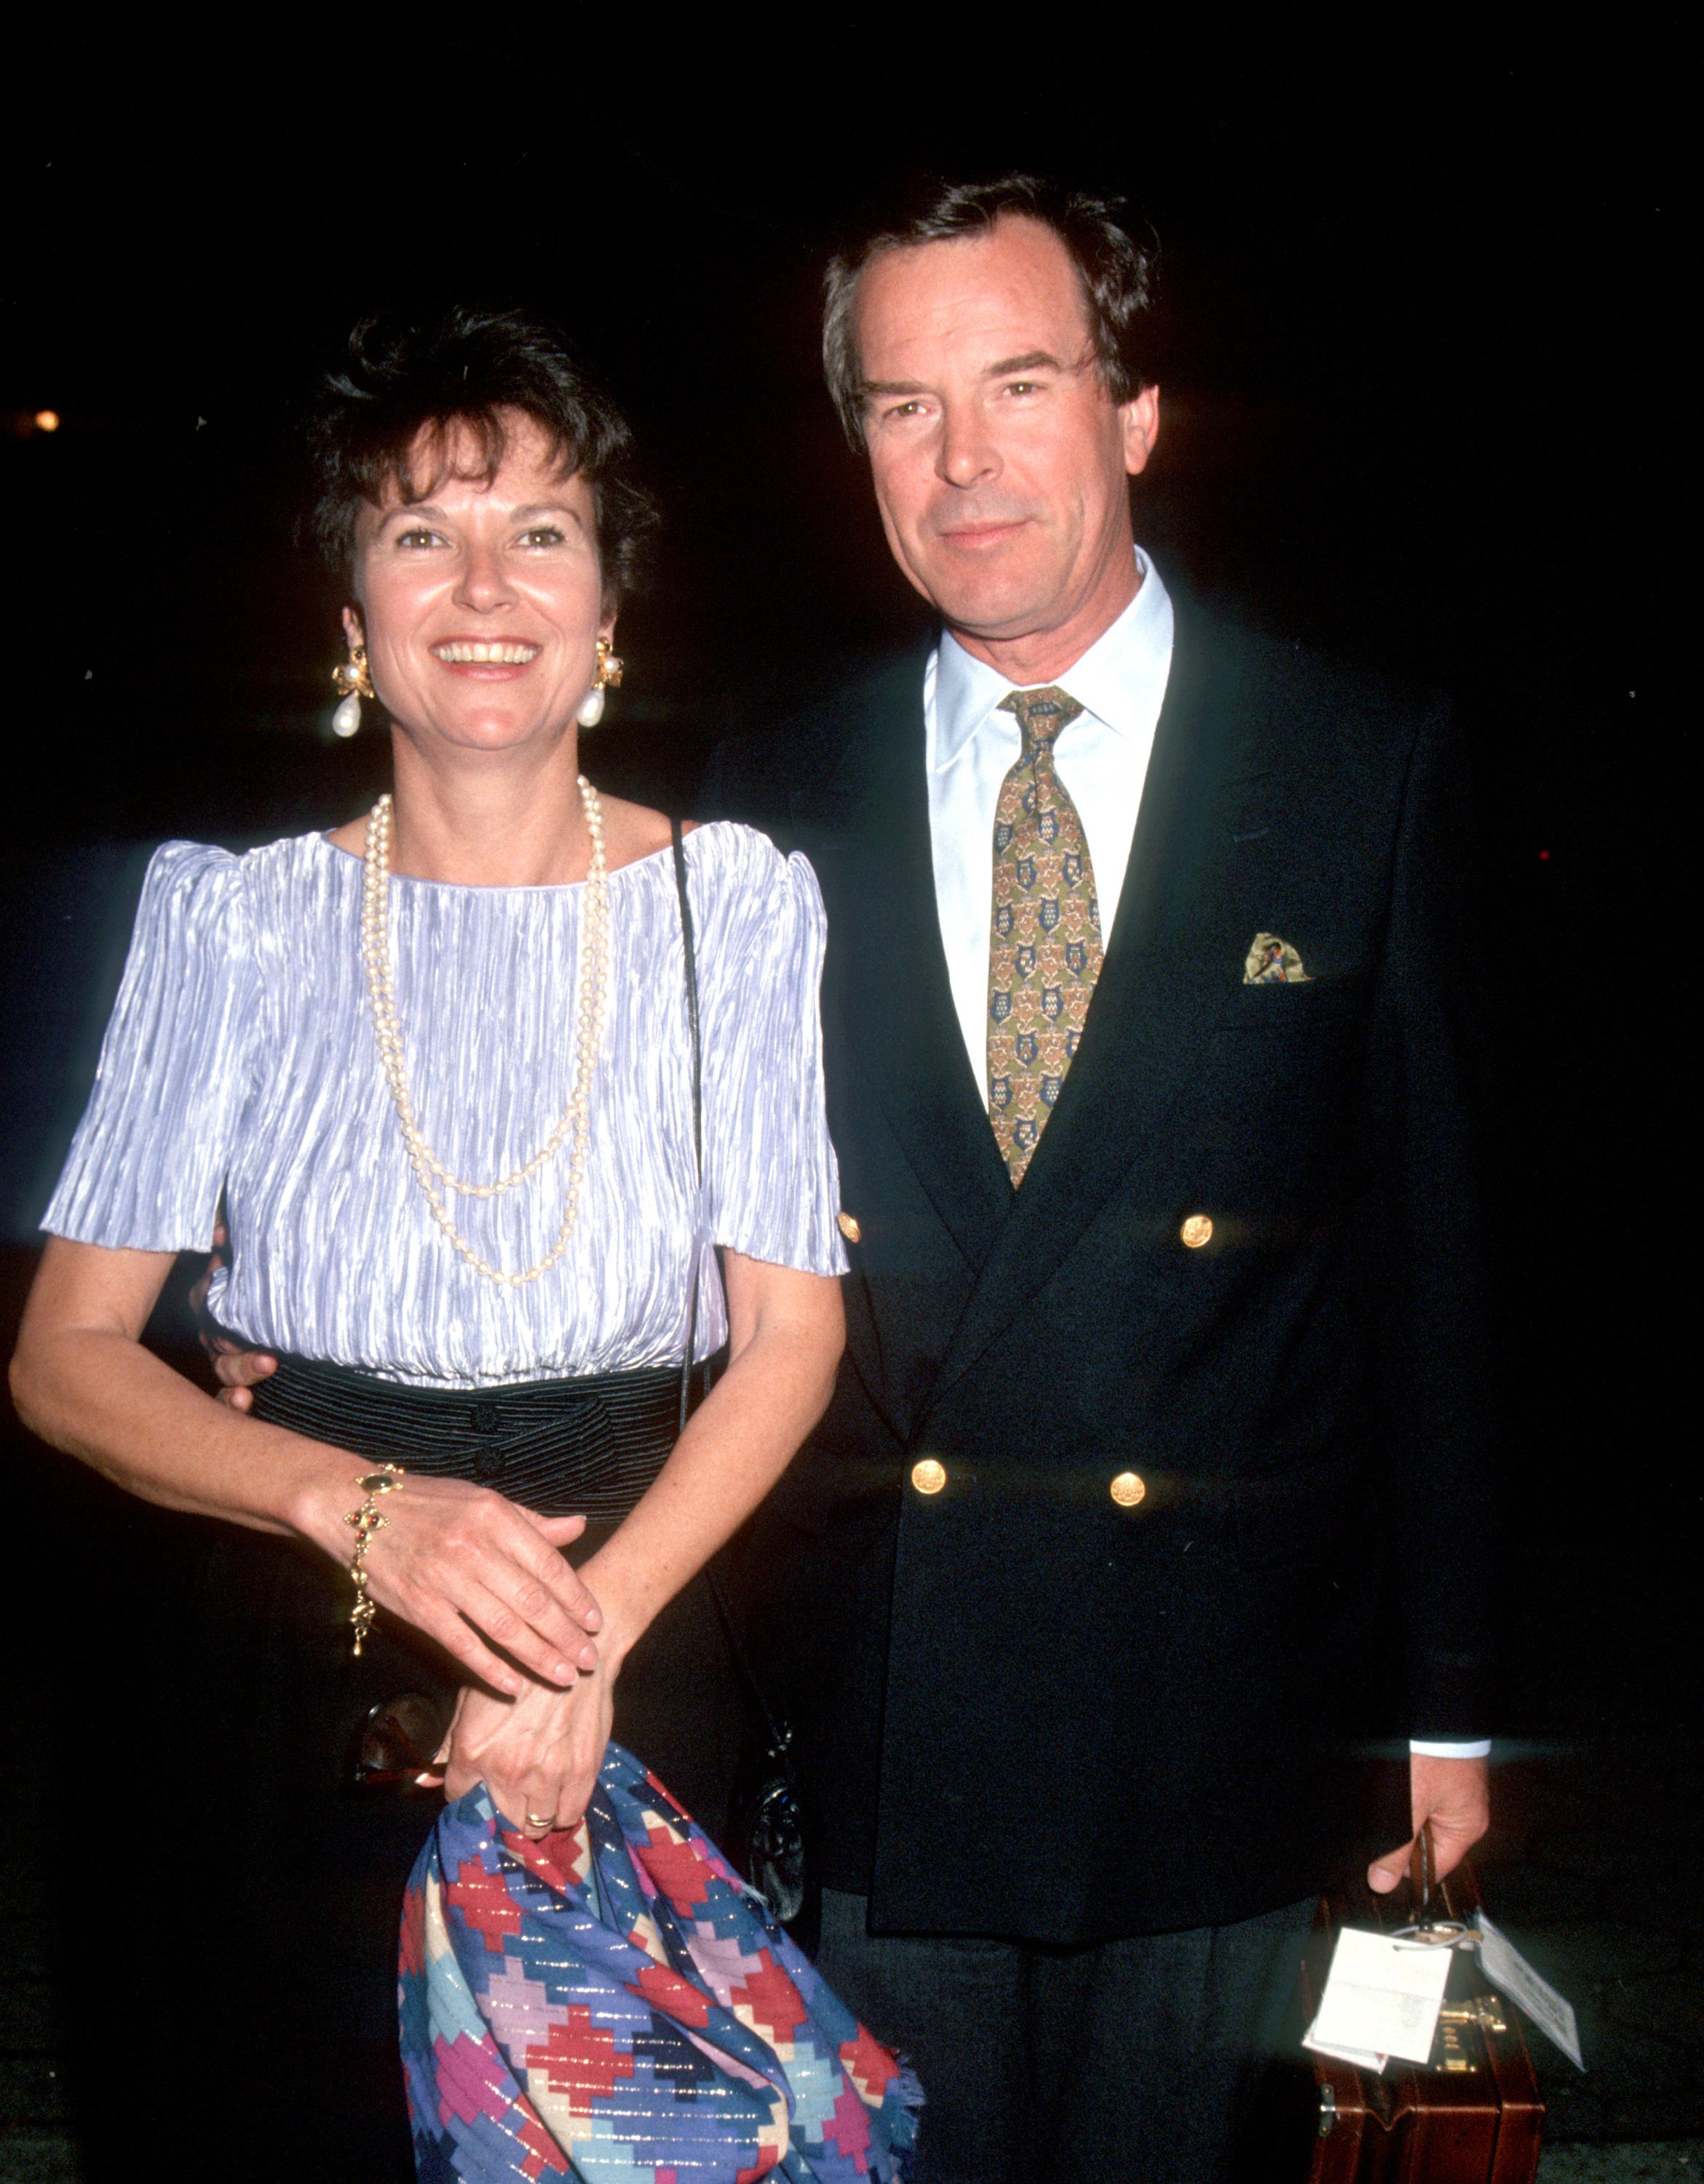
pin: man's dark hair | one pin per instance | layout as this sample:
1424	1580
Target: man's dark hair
466	369
1117	271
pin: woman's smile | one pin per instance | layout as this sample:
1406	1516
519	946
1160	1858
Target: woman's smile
504	655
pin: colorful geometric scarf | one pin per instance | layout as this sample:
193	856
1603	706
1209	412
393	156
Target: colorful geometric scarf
614	2005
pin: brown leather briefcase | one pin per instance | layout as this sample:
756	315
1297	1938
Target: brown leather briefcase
1472	2115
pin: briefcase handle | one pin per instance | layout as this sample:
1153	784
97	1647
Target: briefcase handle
1442	1933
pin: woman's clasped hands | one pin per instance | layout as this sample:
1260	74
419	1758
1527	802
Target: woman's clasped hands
487	1578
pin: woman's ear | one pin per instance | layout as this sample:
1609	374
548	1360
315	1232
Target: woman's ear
353	628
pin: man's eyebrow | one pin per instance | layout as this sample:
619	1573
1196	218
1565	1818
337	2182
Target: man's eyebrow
1034	360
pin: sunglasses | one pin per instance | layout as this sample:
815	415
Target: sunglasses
398	1743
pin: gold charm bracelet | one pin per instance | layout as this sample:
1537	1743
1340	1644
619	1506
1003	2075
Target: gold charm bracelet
364	1523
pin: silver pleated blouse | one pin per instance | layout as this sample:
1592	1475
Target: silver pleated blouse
240	1063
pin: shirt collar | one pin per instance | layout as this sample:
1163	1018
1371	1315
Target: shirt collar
1120	679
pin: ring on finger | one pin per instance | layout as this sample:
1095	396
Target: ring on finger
546	1821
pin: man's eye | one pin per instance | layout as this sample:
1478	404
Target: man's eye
906	410
1023	387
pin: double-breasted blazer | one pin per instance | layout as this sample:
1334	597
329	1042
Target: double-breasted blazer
1029	1707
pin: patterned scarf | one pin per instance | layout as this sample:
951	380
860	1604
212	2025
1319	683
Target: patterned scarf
614	2005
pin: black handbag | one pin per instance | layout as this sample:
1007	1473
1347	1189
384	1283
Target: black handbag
770	1838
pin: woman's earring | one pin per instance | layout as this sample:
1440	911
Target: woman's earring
609	678
353	680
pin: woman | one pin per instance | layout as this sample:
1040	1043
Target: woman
435	1066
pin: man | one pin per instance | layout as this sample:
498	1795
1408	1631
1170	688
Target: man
1147	1071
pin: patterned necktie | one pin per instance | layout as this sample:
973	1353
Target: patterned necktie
1044	939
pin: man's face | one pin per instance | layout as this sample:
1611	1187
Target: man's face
999	458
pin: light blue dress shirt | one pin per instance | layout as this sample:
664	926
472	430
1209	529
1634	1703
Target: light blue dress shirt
1102	758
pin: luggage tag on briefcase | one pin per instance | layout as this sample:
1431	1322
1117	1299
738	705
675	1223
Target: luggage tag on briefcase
1382	1998
1502	1964
1384	1991
1510	1973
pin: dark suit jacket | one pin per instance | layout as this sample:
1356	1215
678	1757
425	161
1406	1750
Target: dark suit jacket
1027	1710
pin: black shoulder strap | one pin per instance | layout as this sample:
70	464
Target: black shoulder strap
690	958
678	841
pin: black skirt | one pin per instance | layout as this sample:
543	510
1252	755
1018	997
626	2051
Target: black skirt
277	1963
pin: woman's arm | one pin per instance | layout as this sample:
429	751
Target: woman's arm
540	1755
470	1569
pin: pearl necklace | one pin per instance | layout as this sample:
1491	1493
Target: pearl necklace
592	999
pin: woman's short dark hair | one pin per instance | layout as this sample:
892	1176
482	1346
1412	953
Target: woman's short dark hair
466	369
1117	271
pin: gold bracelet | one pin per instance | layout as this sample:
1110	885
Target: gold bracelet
364	1523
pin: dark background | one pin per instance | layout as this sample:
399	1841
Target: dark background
1422	404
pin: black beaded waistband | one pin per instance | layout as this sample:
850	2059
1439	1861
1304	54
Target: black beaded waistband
586	1447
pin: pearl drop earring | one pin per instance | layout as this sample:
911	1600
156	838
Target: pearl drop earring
352	678
609	669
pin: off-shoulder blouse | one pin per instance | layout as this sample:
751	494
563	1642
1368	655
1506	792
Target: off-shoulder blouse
240	1064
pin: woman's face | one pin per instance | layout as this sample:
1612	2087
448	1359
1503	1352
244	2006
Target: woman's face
481	606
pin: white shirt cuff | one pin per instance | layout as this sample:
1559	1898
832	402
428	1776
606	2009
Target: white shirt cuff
1423	1748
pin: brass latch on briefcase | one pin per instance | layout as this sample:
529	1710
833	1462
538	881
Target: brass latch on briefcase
1482	2010
1485	2010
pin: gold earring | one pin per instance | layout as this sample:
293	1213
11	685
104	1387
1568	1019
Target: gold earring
608	677
354	682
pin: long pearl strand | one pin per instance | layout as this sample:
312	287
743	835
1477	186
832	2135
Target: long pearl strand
592	994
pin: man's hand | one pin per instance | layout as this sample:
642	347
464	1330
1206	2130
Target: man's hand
236	1369
1455	1796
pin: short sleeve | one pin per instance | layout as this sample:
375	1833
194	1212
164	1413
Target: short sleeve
148	1161
771	1186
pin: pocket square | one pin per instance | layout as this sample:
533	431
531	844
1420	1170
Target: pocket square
1273	962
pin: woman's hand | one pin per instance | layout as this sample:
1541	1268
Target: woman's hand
537	1754
473	1571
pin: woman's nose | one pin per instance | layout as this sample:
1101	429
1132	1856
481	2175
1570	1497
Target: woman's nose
483	584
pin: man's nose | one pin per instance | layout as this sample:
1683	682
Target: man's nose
966	454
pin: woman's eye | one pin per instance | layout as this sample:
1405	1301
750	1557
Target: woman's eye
542	534
414	539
